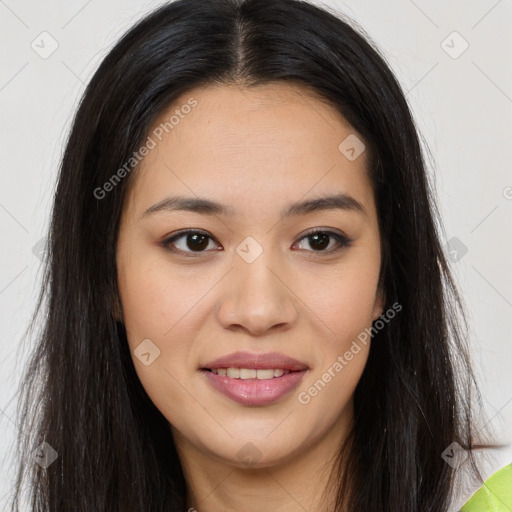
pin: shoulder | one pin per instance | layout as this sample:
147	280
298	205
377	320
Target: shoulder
495	495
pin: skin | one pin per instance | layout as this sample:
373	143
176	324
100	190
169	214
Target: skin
257	150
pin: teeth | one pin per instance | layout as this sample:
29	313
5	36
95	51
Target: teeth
250	373
234	373
246	373
265	374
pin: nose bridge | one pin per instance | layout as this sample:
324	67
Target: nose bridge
256	296
258	277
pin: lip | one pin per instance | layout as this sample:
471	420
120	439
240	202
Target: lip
255	392
256	362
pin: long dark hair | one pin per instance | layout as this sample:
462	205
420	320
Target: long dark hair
81	394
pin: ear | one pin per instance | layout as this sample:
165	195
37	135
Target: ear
378	307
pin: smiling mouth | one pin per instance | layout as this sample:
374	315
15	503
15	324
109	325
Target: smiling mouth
249	373
253	387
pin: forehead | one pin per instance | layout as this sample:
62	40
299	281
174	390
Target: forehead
248	146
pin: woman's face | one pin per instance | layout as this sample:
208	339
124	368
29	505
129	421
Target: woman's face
248	288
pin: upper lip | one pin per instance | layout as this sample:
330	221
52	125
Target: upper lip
256	361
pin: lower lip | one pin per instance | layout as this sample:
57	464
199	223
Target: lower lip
255	391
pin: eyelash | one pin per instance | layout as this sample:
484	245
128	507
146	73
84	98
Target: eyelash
342	240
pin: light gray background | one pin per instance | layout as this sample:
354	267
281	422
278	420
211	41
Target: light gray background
463	107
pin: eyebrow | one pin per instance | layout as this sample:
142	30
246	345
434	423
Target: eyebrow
207	207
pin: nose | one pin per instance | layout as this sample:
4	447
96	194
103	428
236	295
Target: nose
258	297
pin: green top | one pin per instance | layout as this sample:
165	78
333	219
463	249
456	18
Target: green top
495	495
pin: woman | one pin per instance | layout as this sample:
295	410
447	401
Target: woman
248	303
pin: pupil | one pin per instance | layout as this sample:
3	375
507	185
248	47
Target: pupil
323	237
199	242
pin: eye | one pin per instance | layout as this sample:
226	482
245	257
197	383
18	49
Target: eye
320	239
192	241
189	241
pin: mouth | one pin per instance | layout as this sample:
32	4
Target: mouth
249	390
254	379
249	373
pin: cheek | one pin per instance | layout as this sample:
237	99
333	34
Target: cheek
326	400
156	306
346	309
155	299
167	307
343	299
